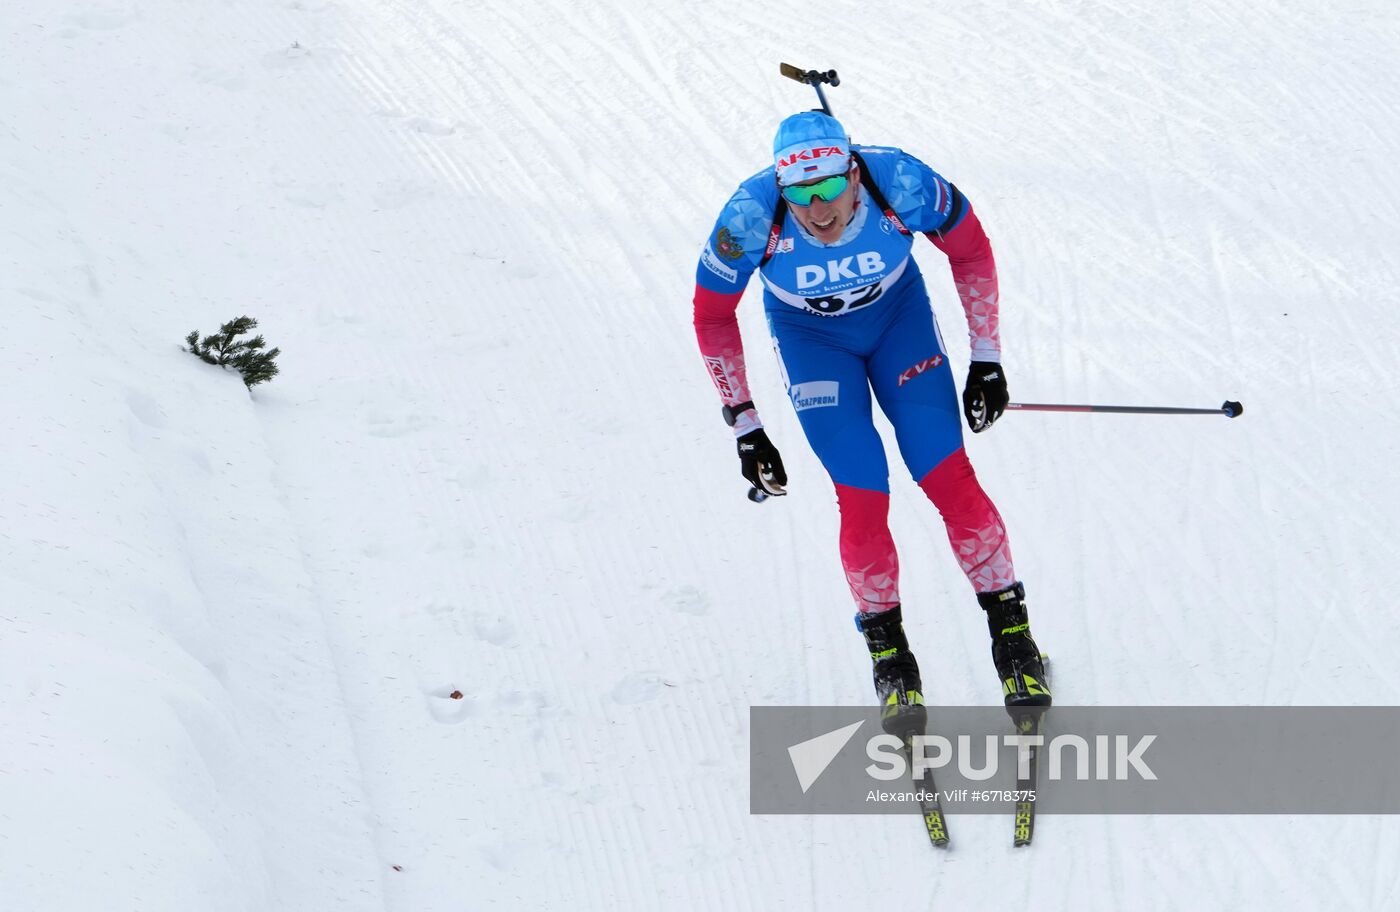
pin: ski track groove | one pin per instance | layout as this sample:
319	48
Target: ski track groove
444	164
338	645
617	861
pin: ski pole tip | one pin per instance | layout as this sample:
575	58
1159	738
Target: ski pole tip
1232	409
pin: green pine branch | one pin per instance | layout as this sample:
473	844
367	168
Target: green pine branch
246	356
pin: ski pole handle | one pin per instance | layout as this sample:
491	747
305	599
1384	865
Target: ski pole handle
1229	409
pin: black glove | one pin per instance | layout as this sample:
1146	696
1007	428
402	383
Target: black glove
985	396
762	465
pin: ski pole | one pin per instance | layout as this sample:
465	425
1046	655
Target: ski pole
1228	409
813	78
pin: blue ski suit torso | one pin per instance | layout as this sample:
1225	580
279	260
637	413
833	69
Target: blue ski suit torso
851	316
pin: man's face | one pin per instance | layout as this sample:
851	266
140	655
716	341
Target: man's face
824	220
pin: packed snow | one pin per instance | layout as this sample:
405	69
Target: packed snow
467	608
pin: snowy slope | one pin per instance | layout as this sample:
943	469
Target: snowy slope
493	464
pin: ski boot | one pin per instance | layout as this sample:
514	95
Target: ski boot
897	684
1018	661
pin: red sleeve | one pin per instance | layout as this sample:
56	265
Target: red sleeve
975	276
717	331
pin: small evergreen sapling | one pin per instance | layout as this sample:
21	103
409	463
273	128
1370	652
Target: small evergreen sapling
247	356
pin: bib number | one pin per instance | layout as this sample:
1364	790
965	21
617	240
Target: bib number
846	301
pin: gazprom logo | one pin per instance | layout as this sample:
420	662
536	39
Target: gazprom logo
815	394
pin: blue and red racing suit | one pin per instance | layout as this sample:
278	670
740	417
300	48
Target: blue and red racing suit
854	316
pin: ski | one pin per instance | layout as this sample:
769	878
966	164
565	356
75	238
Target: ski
930	806
1027	722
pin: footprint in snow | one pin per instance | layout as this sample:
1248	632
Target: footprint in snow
575	510
688	600
639	687
146	409
103	20
493	629
399	193
432	127
449	705
311	196
224	79
395	425
34	294
295	55
500	856
472	478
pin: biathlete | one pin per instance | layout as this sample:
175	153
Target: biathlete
829	227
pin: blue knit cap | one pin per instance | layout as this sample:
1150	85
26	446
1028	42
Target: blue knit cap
808	145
